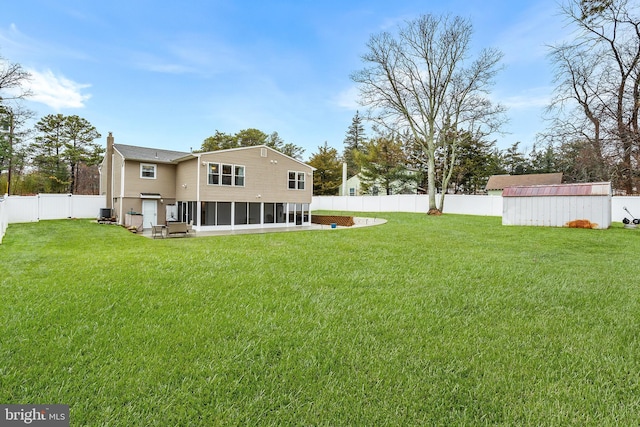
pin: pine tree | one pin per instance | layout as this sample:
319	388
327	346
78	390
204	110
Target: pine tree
383	166
327	176
62	144
355	141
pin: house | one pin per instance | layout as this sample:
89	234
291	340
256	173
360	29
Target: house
354	187
497	183
247	187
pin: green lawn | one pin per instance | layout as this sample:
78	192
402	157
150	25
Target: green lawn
452	320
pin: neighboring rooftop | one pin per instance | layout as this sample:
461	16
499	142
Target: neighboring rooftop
132	152
500	182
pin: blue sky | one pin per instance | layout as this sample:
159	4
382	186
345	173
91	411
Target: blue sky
169	74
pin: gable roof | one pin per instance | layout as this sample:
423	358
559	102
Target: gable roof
500	182
132	152
144	154
254	147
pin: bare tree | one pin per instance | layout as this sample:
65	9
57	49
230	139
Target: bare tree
598	85
422	80
12	115
12	79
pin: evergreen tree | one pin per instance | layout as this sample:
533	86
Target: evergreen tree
472	169
47	154
250	138
543	161
219	141
79	147
328	174
514	160
62	144
355	141
274	141
383	165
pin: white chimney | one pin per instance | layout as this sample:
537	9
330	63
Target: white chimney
344	179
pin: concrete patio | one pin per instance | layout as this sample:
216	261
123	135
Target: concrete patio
359	222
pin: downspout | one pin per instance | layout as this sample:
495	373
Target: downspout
122	191
108	164
198	210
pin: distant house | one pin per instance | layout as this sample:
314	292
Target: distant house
248	187
354	187
497	183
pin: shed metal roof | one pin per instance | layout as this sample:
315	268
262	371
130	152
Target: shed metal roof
582	189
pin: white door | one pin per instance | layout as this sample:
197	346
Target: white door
149	213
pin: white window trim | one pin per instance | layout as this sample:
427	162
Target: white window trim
304	180
219	170
244	175
233	174
155	170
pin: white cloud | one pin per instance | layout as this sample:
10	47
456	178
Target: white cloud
165	68
348	99
524	102
56	91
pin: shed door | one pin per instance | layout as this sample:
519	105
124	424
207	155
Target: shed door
149	213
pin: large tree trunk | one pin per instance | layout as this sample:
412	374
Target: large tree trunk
431	174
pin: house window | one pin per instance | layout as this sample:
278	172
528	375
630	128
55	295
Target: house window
221	174
296	180
147	171
214	174
239	176
227	174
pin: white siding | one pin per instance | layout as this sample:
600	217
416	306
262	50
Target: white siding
556	211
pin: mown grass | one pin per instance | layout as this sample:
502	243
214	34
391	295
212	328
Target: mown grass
452	320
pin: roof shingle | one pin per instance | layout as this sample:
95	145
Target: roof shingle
500	182
131	152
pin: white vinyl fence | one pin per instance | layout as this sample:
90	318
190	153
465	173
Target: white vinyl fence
4	216
52	206
453	203
15	209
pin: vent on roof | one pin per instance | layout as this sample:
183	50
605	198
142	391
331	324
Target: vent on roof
263	152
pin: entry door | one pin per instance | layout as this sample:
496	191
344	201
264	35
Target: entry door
149	213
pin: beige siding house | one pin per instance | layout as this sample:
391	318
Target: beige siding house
248	187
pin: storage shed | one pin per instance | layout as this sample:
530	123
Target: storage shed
564	205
